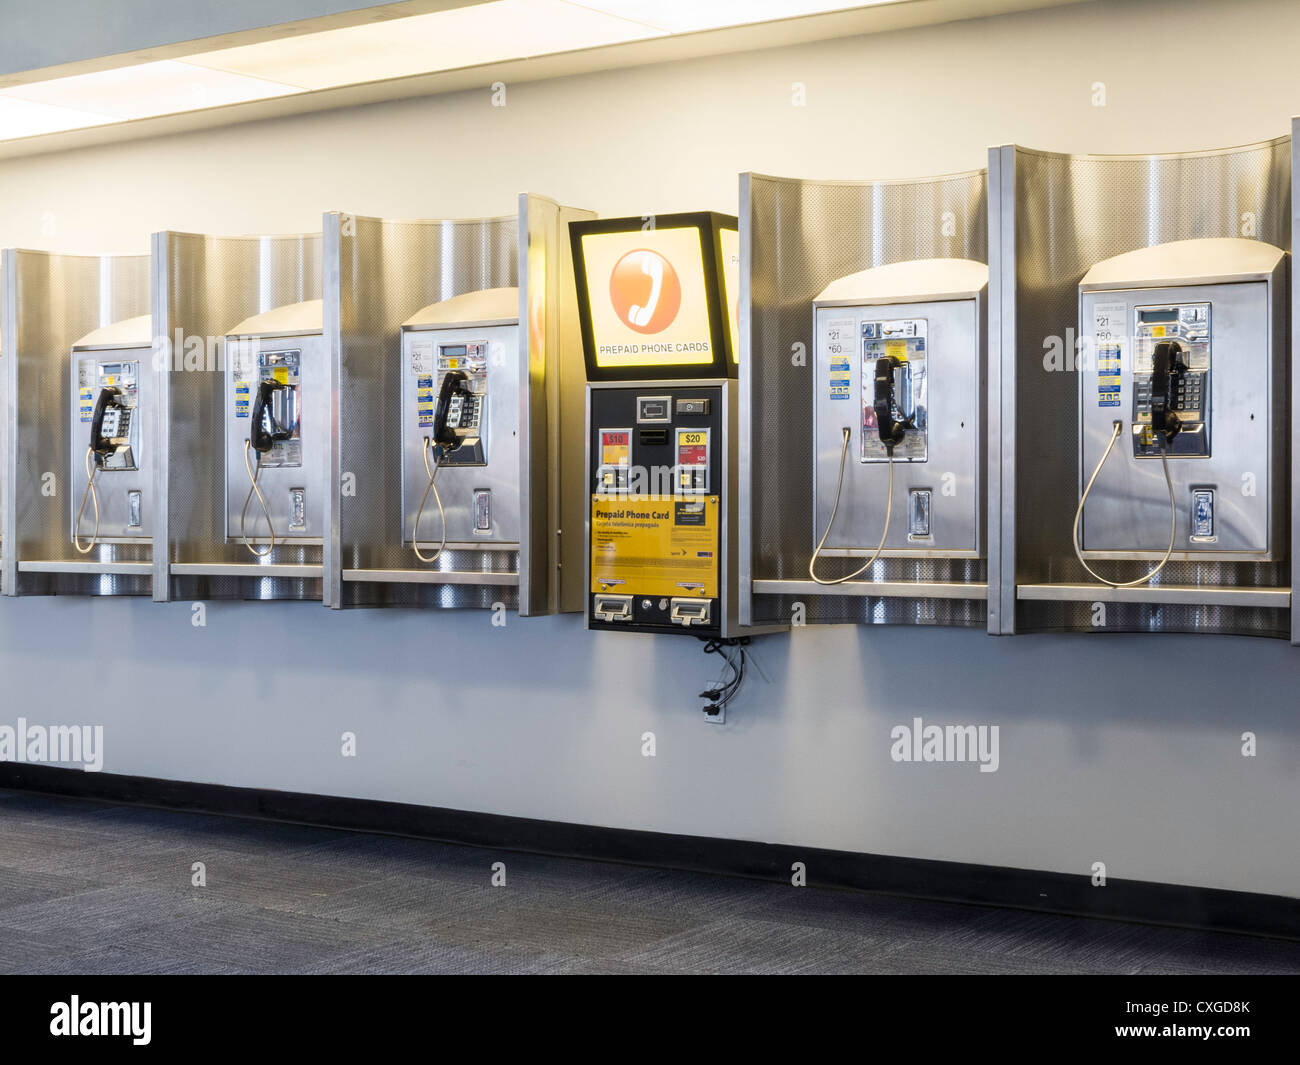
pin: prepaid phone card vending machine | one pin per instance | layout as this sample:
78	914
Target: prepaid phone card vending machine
898	411
656	528
655	307
1182	426
277	429
112	402
461	398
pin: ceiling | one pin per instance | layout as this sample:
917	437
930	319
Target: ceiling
412	49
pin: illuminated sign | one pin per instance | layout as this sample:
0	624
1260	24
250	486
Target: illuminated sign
652	298
731	287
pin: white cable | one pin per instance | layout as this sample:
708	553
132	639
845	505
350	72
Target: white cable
92	468
839	488
1173	515
430	487
266	511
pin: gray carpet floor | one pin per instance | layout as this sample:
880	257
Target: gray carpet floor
94	888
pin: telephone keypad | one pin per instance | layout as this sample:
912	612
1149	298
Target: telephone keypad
462	411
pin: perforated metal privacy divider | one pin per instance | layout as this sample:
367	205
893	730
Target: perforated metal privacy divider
1051	218
1054	216
795	238
204	287
381	272
50	302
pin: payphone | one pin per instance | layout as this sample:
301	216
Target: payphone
661	417
112	402
461	396
1183	382
898	413
277	428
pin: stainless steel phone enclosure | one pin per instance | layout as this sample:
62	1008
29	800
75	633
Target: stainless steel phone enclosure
953	470
279	484
459	487
1127	513
123	494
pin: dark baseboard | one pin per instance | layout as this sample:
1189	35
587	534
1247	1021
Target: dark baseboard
985	885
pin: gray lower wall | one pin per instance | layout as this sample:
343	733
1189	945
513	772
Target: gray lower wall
1098	762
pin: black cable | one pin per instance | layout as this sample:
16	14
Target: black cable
723	691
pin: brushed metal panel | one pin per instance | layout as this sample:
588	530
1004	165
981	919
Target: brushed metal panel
276	482
1128	509
1185	595
1068	213
207	285
501	434
112	486
798	237
548	293
50	302
388	270
952	469
881	589
1002	392
1293	485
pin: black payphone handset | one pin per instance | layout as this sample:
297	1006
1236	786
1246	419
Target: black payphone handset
265	429
109	428
1168	365
892	428
455	417
109	409
453	421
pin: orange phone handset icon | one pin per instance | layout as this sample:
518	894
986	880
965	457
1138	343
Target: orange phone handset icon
645	290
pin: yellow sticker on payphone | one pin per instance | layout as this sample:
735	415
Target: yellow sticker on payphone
281	374
655	545
896	349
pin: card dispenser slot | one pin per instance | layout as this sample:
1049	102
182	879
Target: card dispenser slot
612	608
688	612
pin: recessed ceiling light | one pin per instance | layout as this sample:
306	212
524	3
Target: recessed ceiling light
421	44
389	48
148	89
19	118
687	16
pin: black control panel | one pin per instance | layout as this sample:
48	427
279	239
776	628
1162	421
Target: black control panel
655	497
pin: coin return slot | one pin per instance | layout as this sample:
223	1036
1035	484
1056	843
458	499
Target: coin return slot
297	508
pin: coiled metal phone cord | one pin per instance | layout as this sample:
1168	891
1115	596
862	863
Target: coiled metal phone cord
266	511
1173	514
839	488
430	487
92	468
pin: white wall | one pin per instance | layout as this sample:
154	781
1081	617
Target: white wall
541	719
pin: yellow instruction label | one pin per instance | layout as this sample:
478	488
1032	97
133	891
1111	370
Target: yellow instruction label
655	545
